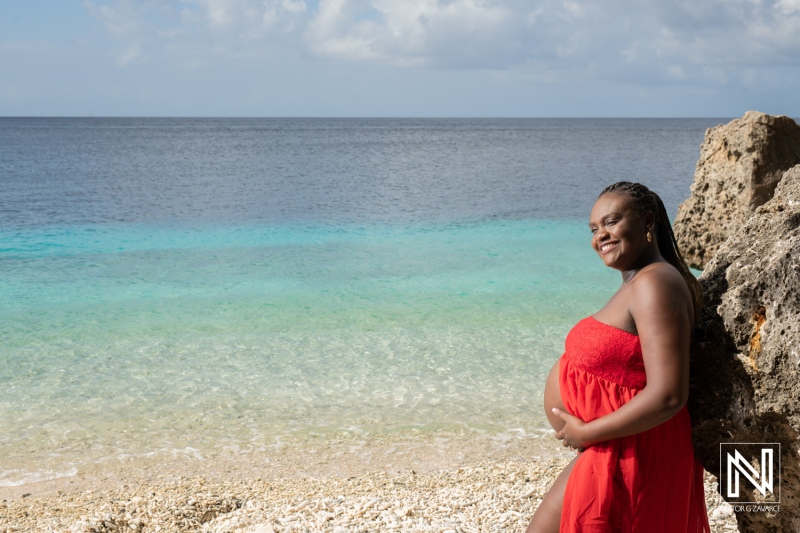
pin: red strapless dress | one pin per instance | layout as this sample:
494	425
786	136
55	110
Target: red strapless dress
650	482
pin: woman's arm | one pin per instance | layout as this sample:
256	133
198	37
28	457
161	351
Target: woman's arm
659	306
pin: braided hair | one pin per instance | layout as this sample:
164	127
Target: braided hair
644	200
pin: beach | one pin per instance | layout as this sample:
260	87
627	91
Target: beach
253	314
439	485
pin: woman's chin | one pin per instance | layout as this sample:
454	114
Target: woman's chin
612	262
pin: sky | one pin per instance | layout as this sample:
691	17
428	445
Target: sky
399	58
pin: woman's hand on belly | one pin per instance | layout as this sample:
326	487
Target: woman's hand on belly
552	398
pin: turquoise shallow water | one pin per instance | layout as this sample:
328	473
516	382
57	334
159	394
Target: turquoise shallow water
234	284
132	339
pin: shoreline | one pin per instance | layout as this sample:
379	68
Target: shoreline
462	485
340	457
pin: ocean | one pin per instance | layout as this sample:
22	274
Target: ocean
191	285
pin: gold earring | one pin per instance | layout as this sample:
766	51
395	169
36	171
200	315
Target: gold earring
648	237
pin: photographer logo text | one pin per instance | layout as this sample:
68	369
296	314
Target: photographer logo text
750	475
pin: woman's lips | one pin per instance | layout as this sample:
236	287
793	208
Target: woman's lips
608	246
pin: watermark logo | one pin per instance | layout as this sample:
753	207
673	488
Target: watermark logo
750	475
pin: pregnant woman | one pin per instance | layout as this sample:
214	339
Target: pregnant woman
618	393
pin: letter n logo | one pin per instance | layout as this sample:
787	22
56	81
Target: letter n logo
750	472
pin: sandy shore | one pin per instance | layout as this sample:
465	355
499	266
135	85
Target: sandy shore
436	485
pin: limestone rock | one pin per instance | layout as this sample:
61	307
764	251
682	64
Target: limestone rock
746	349
740	164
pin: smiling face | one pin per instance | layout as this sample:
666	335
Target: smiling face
619	231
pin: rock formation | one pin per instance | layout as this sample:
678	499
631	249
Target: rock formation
740	164
746	350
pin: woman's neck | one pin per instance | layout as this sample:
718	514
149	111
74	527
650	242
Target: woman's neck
648	257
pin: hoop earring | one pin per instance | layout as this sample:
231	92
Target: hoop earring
648	237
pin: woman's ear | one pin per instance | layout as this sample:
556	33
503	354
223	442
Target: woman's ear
650	221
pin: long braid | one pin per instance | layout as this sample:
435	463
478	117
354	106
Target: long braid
645	200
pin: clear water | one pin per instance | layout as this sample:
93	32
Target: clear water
234	283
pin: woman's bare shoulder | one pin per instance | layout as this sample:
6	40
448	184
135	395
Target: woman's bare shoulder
660	270
660	284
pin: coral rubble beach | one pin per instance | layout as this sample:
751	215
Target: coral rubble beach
445	484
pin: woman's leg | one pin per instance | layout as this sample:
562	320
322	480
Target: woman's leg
547	517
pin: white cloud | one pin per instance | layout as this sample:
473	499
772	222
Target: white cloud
410	32
131	53
246	14
122	19
387	57
335	31
646	41
218	12
788	7
292	5
195	33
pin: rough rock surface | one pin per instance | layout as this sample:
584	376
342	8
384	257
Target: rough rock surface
746	350
740	164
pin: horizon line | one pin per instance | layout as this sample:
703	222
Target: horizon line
355	117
